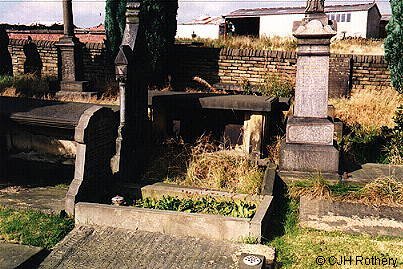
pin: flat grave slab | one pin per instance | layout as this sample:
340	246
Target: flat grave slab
42	112
46	199
16	256
372	171
96	247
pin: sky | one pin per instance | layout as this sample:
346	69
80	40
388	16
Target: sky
91	12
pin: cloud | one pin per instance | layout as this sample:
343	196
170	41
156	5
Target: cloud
91	12
26	12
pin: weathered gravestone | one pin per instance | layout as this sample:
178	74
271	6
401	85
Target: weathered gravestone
130	144
70	51
309	134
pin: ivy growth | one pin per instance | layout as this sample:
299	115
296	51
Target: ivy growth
394	45
114	23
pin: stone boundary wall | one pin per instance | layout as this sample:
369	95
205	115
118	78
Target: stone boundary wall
226	66
240	65
97	66
370	71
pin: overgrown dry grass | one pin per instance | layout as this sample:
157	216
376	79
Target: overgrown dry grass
245	42
371	109
364	46
382	191
342	46
224	170
206	165
30	86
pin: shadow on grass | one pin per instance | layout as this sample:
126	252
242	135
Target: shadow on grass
283	223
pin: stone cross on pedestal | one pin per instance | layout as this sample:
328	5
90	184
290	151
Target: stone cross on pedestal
309	133
70	48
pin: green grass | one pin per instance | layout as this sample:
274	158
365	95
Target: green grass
33	228
337	189
298	247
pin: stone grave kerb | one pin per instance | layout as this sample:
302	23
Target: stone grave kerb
309	141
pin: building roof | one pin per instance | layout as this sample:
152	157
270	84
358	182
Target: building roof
386	17
257	12
206	20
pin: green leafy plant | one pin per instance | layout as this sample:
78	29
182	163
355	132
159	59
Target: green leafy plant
27	85
360	146
395	145
205	205
6	82
277	86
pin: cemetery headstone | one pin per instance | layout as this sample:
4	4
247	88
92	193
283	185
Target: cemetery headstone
309	133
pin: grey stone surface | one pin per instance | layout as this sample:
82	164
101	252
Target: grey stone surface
106	248
16	256
73	86
175	223
95	135
309	158
311	92
47	199
309	131
269	179
42	112
351	217
372	171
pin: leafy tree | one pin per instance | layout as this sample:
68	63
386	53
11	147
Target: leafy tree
394	44
114	23
157	35
393	55
6	67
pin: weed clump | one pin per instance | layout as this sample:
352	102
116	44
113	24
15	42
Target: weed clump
228	170
382	191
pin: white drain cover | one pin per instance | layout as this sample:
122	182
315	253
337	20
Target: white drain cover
252	260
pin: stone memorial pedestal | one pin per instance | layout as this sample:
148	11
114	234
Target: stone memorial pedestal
309	133
70	48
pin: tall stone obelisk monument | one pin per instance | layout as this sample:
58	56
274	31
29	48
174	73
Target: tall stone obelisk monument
309	143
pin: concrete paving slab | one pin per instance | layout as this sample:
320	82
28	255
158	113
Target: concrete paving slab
13	255
46	199
96	247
